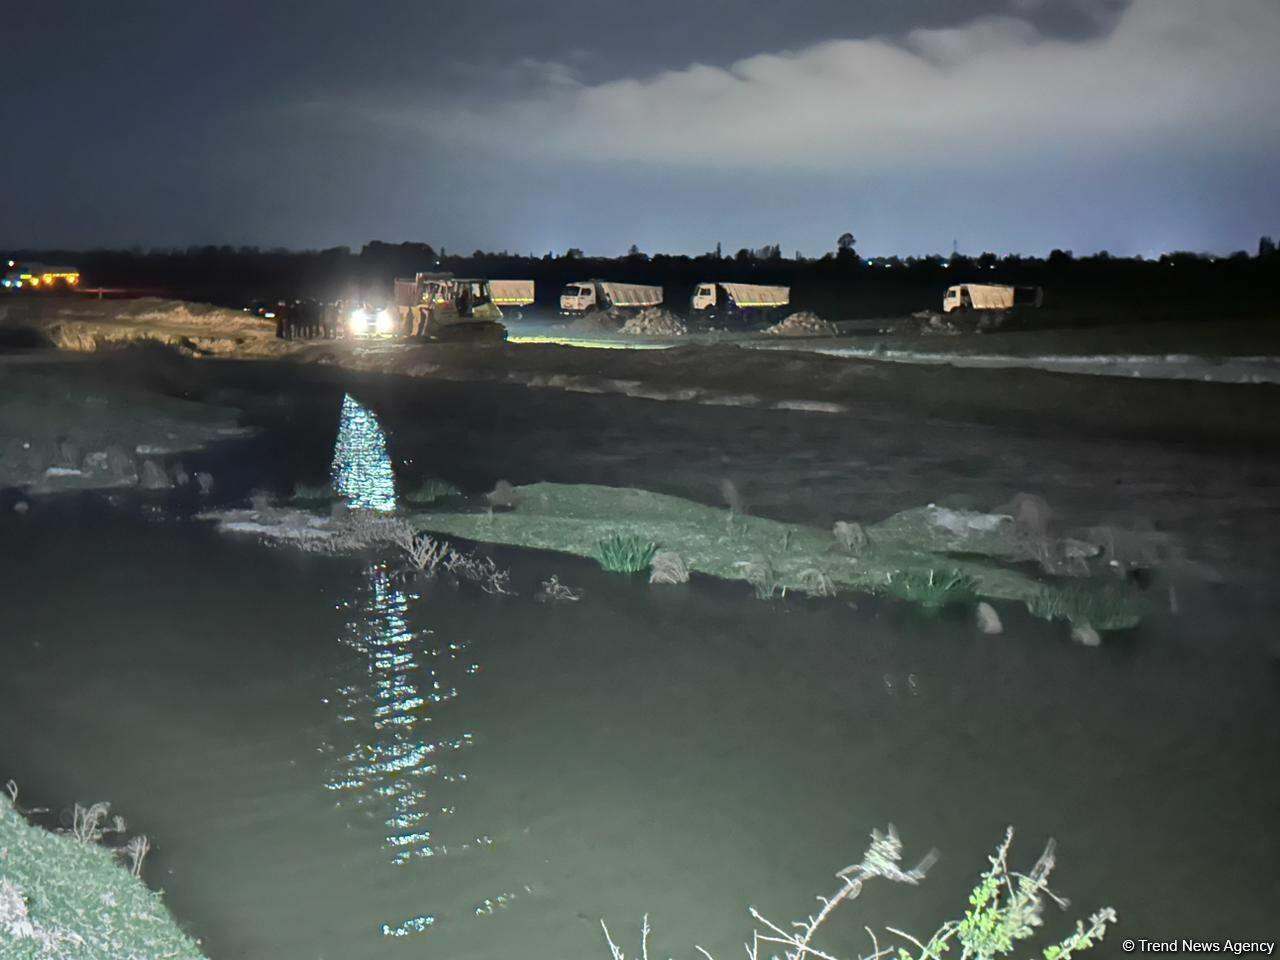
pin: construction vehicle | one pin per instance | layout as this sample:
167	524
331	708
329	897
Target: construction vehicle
738	303
512	293
445	307
583	296
990	296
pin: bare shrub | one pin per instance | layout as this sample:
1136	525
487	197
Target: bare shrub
1004	908
425	554
553	591
668	567
87	823
482	571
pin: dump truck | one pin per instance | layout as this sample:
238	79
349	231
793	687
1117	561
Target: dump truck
990	296
583	296
452	308
512	293
740	302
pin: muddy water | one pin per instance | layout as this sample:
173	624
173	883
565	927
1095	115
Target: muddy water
334	763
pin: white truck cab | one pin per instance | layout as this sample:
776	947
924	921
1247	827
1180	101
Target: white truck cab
583	296
704	297
578	297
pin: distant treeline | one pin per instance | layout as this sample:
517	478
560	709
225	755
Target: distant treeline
840	286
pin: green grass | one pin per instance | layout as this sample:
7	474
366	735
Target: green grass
933	589
625	554
74	900
1101	606
431	490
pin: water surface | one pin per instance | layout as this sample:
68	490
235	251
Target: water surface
334	762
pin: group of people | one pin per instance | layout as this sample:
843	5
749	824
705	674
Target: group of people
309	319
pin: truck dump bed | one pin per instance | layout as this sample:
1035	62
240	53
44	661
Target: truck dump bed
988	296
756	295
632	294
511	293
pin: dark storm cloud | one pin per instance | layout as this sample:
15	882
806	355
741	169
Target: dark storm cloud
1001	123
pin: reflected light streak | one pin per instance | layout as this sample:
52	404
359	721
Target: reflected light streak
362	472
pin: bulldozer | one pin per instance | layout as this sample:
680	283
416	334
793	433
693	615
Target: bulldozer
444	307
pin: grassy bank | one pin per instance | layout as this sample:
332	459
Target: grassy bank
73	899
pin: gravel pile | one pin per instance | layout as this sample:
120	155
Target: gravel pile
803	324
655	322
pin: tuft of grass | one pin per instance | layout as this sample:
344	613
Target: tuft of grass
763	578
625	553
934	589
1101	606
318	494
431	490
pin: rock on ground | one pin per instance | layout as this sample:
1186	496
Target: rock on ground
803	324
153	476
654	322
1085	635
988	620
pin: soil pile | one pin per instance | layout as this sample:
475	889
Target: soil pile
595	321
655	322
962	321
803	324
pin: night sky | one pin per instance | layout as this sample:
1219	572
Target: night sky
1136	126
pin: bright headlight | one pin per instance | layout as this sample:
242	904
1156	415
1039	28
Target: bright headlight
385	322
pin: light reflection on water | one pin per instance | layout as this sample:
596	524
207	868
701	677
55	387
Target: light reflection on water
395	766
362	471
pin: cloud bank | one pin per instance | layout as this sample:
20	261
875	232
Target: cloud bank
1168	74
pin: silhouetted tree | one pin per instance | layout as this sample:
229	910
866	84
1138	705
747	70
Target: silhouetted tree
573	253
1266	247
845	249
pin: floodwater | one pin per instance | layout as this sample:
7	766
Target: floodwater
335	763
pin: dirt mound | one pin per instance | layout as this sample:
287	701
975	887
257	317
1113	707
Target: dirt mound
654	322
596	321
961	321
803	324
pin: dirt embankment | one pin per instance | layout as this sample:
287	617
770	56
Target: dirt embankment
81	325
